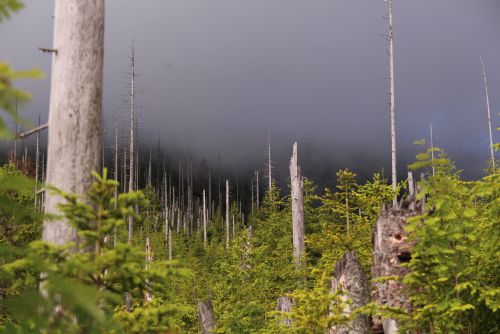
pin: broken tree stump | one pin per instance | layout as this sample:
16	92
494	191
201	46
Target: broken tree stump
206	313
349	277
391	248
284	304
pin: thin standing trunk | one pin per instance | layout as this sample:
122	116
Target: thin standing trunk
488	110
148	296
269	164
204	219
37	164
132	168
297	209
209	193
432	151
391	95
227	213
149	169
257	190
75	133
234	231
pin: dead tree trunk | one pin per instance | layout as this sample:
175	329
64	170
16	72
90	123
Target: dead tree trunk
204	219
206	313
269	164
148	296
487	96
37	164
349	277
391	95
227	213
297	209
284	304
75	133
257	190
391	247
432	150
132	168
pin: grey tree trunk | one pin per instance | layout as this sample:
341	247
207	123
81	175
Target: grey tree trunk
297	208
227	213
132	168
391	247
75	133
257	190
206	313
37	164
488	110
391	95
432	150
269	164
284	304
148	296
204	219
349	276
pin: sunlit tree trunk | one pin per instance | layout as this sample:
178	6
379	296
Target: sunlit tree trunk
75	133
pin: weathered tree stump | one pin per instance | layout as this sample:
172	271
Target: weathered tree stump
284	304
349	277
391	247
206	313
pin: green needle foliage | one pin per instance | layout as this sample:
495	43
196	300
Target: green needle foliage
80	287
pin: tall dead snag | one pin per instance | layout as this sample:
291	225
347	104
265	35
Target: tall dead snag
297	208
432	150
269	164
132	168
206	313
391	247
148	296
485	79
350	278
227	213
284	304
37	164
391	95
75	133
204	219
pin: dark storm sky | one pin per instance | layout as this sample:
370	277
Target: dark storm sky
218	74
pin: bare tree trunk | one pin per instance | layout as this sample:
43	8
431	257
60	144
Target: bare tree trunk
204	219
148	296
269	164
227	213
75	134
485	79
257	190
206	313
297	209
37	164
150	176
432	150
210	213
132	168
391	95
284	304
